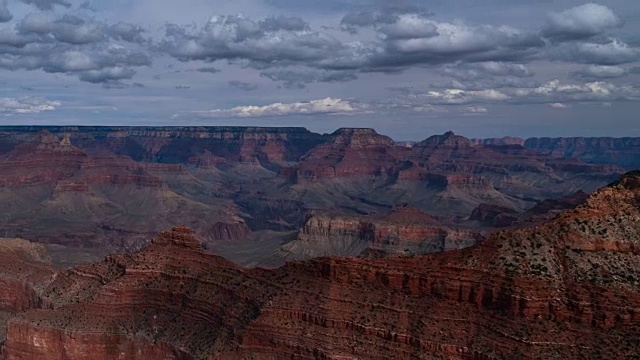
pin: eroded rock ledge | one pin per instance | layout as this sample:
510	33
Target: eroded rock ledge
569	288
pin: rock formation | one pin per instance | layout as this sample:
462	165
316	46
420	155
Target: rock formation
116	187
401	232
622	152
564	289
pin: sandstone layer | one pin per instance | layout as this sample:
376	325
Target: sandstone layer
569	288
113	188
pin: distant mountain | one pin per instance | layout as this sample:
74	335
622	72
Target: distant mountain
622	152
115	187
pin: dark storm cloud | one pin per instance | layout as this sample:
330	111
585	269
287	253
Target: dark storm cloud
244	86
5	14
581	22
47	4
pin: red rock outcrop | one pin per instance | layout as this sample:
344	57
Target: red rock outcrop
23	266
564	289
403	231
348	153
24	270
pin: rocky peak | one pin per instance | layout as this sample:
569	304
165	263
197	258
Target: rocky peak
448	139
356	137
45	145
629	181
408	214
179	237
44	141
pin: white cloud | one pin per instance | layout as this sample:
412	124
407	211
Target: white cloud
459	96
582	21
315	107
558	106
27	105
476	109
553	92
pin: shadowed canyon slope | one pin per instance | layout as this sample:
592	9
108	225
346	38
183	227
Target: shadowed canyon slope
113	188
568	288
622	152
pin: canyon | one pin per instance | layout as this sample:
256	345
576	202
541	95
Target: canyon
96	190
621	152
564	288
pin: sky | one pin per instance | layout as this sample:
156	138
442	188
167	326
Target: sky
409	69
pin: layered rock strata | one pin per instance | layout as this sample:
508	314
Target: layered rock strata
564	289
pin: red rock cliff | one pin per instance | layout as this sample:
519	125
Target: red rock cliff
564	289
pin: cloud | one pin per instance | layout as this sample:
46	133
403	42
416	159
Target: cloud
47	4
274	24
27	105
555	91
183	87
614	52
298	77
416	39
581	22
275	45
237	37
559	106
459	96
599	72
91	62
126	32
483	75
68	28
5	14
92	50
106	75
476	109
550	92
87	5
352	21
76	30
209	69
315	107
244	86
